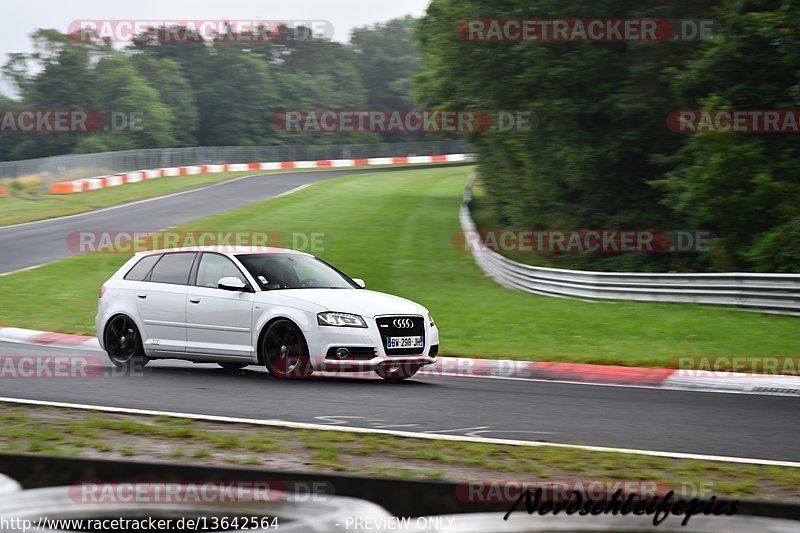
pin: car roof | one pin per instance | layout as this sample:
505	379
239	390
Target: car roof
227	250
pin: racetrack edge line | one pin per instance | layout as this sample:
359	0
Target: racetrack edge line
397	433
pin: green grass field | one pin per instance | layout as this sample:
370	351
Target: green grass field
396	230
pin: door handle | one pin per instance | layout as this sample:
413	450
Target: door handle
194	300
142	295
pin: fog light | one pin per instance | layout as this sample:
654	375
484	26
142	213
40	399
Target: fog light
342	352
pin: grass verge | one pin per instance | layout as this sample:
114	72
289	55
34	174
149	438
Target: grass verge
76	433
396	230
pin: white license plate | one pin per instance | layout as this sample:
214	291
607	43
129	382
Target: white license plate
405	342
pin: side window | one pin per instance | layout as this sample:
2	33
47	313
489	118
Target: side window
173	268
140	269
213	267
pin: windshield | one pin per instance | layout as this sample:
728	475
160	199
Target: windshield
294	271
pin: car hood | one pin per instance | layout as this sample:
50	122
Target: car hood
359	301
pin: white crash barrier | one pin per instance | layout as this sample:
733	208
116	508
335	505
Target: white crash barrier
8	485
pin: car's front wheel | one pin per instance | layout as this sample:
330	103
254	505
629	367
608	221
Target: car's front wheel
124	344
285	351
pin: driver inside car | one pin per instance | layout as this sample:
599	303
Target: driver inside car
279	275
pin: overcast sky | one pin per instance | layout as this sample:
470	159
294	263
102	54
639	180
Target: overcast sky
22	17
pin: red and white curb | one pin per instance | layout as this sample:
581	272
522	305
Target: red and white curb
624	376
102	182
47	338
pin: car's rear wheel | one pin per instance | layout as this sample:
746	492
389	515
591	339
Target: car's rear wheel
232	366
285	351
397	373
124	344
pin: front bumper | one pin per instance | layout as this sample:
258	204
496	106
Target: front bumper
321	339
329	365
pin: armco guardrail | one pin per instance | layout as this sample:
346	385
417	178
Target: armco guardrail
776	293
76	166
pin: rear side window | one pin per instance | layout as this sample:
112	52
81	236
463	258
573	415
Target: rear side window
140	269
173	268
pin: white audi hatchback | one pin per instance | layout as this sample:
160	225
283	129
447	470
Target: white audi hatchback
284	309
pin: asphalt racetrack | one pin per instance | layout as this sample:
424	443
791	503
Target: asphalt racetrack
709	423
723	424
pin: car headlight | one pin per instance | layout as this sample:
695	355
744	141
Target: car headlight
430	321
342	320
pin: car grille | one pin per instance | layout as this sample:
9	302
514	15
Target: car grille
387	328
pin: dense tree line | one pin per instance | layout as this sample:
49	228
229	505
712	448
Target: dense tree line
602	155
205	93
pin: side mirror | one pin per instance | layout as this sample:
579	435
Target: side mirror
360	282
231	284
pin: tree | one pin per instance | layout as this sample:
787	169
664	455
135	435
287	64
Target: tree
125	92
64	80
316	74
8	143
387	58
167	77
235	99
745	187
601	110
